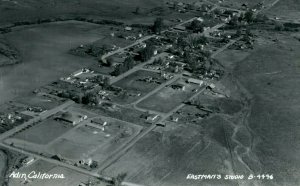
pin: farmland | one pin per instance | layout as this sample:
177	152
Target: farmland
42	59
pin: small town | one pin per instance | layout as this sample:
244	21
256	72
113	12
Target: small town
150	88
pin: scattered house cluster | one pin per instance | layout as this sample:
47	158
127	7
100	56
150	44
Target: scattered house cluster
178	86
9	118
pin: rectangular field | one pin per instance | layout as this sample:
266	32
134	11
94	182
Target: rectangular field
44	132
94	140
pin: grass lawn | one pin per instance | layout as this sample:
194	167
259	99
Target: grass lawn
44	132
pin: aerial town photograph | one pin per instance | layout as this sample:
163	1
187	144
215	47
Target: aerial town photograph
150	92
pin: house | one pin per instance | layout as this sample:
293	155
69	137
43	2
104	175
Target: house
161	124
99	121
87	162
27	161
174	119
195	81
151	117
180	28
178	87
211	86
128	28
77	73
187	74
71	118
200	19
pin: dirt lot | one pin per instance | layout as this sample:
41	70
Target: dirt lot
44	50
270	74
75	145
167	98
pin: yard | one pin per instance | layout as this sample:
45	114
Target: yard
136	83
168	98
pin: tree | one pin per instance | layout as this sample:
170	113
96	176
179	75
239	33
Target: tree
238	32
279	26
109	61
88	98
241	18
147	53
249	16
248	32
234	21
158	25
181	42
106	82
196	41
217	11
129	63
261	18
196	26
117	71
117	181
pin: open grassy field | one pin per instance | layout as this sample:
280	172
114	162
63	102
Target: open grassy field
4	60
40	101
271	75
167	98
238	3
287	10
2	166
166	158
20	10
44	132
44	50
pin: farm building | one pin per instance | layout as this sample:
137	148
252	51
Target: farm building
195	81
71	118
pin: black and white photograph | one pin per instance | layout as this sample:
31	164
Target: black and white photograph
149	92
